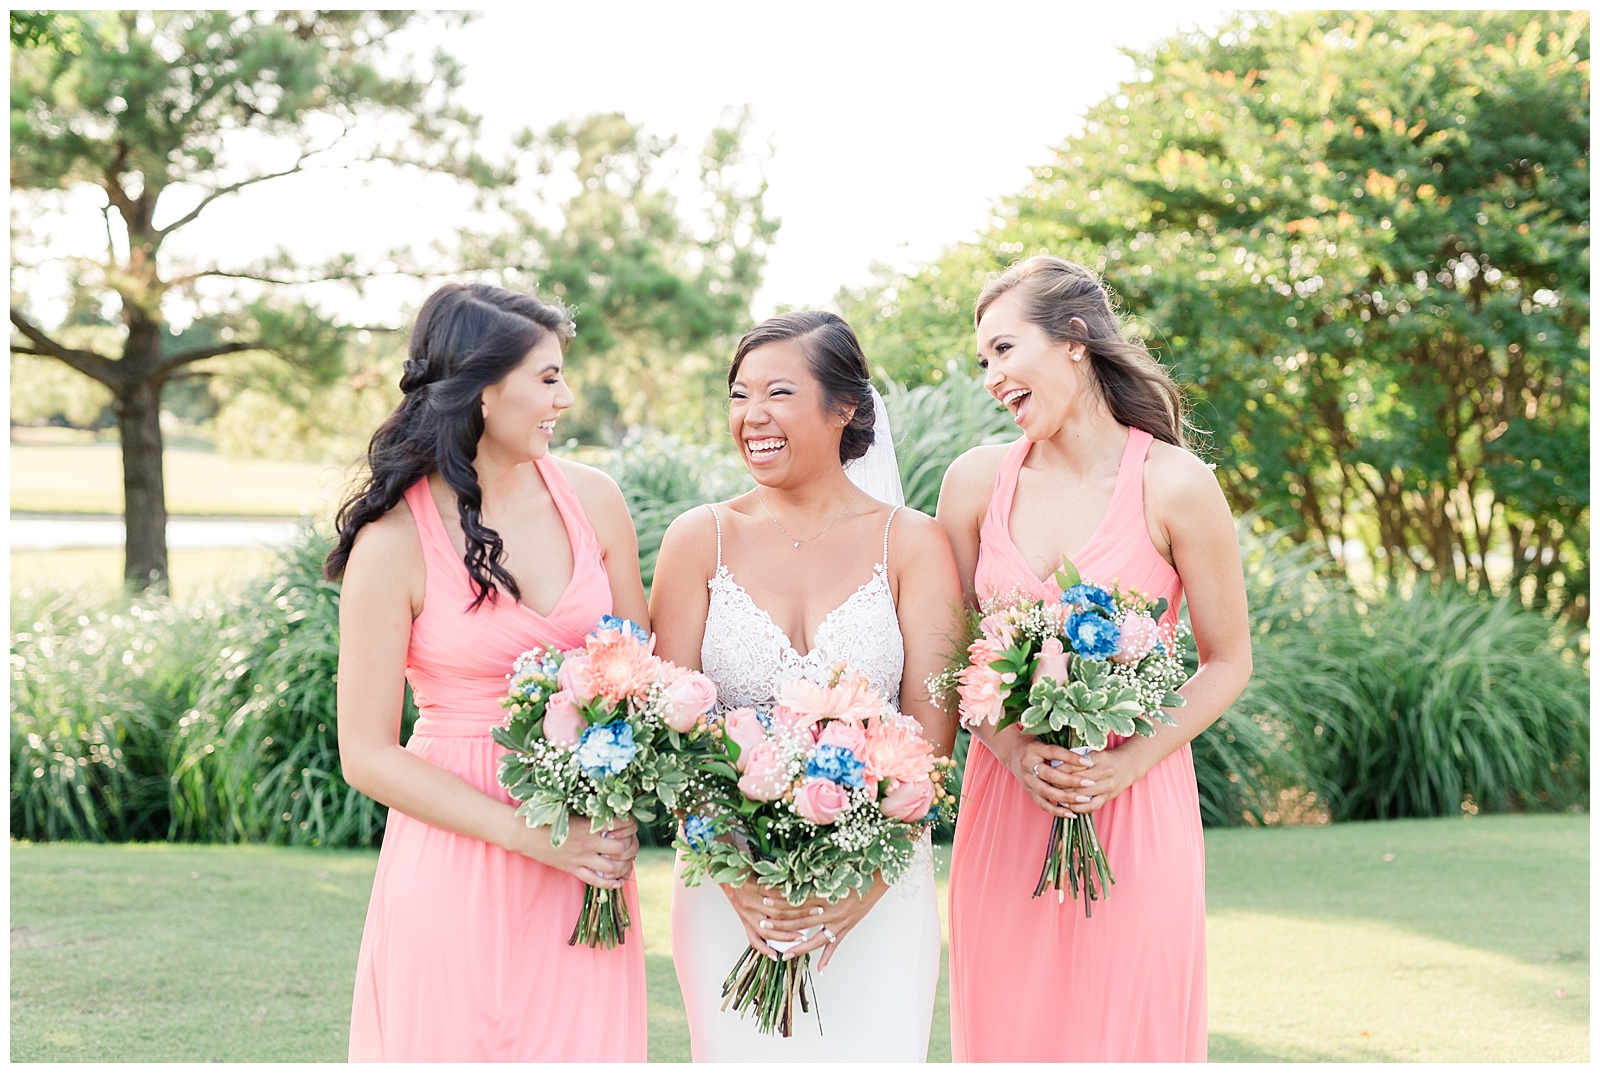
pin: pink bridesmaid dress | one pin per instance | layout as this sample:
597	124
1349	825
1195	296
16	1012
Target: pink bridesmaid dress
465	956
1033	980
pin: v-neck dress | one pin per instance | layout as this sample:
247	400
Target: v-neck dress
464	957
875	1001
1033	980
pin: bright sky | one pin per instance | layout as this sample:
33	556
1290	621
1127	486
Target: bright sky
893	127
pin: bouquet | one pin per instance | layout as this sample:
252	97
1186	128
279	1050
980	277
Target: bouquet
1071	673
810	799
598	731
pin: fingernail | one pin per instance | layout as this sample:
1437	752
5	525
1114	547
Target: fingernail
766	901
765	924
1081	798
817	912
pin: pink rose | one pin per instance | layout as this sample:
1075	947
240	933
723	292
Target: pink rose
573	677
764	777
1052	661
896	749
981	700
820	801
908	801
564	724
787	721
689	697
845	735
1139	635
743	726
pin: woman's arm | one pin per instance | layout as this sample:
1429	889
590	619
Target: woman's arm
929	605
963	501
679	596
382	593
608	516
1185	501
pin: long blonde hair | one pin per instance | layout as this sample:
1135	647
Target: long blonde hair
1071	304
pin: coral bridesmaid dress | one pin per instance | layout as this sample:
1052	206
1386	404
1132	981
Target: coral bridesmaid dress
465	956
1033	980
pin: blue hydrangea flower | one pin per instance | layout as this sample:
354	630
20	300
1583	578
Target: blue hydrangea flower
626	625
764	718
697	830
1092	635
606	749
837	764
1087	596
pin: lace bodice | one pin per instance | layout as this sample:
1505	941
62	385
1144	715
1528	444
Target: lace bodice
748	656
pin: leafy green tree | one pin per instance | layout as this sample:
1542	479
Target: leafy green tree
1363	240
660	289
148	119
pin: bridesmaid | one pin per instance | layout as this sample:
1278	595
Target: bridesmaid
466	545
1101	476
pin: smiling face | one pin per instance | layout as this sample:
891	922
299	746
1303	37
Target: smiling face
519	412
780	417
1028	372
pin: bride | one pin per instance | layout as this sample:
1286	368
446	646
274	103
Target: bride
810	569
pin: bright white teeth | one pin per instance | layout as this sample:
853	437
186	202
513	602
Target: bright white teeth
1013	396
765	447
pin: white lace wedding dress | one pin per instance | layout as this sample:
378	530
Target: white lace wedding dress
876	997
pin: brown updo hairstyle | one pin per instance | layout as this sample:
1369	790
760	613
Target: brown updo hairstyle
834	357
1071	304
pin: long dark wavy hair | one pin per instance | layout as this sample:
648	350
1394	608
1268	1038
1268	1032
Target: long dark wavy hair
833	354
1137	389
468	337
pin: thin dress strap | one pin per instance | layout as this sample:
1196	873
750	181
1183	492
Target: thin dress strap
886	526
715	517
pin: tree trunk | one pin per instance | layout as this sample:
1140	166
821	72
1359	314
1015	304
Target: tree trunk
138	411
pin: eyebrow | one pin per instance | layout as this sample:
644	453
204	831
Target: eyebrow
993	339
551	368
783	380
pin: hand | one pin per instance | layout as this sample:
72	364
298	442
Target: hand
1054	776
599	858
766	914
1113	772
836	920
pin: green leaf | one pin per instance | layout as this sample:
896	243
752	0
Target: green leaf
1068	575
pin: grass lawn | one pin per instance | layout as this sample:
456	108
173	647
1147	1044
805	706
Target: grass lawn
86	478
1440	940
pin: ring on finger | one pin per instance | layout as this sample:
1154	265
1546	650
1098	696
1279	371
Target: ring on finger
1036	771
828	934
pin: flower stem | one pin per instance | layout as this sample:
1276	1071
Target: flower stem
603	921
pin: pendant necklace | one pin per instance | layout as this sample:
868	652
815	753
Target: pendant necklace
790	536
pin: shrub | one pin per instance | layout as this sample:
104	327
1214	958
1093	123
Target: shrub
1432	704
933	424
257	758
661	477
96	695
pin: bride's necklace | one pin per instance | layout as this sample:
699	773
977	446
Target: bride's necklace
797	541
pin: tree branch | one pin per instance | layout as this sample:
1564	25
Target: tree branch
175	361
282	281
90	364
233	188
